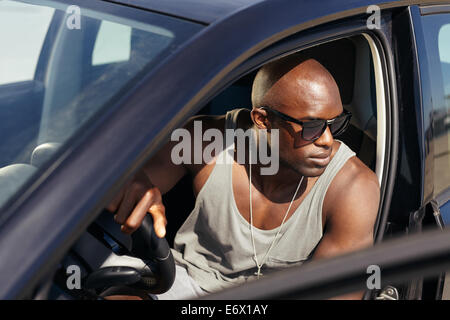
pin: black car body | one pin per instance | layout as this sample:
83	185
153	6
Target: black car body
401	124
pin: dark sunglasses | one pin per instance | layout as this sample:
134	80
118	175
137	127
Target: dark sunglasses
313	129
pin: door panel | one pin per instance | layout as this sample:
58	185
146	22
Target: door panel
432	28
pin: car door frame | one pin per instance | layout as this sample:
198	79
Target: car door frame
431	204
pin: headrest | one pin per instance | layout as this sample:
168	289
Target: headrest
43	152
12	177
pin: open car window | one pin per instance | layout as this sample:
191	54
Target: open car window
351	62
357	80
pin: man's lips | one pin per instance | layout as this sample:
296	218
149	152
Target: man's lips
321	155
321	159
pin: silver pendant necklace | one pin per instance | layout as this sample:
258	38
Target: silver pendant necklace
258	265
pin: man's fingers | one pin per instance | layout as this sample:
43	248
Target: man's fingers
126	206
137	216
151	203
114	204
159	219
133	203
158	212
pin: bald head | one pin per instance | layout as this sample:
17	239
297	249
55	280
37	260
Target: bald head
304	90
303	80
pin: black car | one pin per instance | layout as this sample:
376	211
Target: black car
91	89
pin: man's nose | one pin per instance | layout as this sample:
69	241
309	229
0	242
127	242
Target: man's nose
326	139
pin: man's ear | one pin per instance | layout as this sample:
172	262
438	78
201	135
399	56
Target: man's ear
260	118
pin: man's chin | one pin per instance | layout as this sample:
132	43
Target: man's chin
315	172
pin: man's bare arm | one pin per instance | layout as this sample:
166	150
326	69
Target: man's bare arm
349	226
142	194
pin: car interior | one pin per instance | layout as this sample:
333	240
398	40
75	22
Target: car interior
102	246
350	62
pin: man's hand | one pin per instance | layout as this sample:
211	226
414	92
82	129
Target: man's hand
137	198
142	195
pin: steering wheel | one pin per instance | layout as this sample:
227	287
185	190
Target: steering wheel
157	274
156	251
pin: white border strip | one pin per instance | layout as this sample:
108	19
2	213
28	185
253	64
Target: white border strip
381	109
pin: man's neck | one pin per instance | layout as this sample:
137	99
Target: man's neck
275	186
285	178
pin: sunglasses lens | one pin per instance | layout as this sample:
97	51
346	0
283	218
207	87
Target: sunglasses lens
313	132
339	126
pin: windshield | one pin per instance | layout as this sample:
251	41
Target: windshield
60	65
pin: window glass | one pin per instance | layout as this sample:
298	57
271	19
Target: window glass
84	58
442	118
437	29
18	59
113	43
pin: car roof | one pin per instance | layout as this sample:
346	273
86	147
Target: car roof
203	11
209	11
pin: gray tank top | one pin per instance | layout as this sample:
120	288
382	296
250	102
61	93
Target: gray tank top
214	243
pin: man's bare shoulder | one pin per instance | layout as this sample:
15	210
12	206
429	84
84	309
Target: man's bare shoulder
202	123
354	170
354	183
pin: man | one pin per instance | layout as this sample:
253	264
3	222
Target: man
321	202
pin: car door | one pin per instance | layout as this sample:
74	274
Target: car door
120	145
106	153
432	29
372	78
